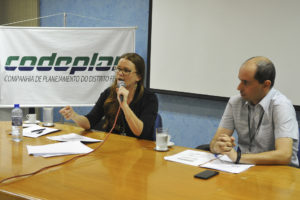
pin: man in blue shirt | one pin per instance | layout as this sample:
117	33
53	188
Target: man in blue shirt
264	119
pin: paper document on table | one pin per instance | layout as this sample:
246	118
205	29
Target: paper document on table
73	137
37	131
208	160
191	157
57	149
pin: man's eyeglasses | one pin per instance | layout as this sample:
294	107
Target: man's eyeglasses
124	71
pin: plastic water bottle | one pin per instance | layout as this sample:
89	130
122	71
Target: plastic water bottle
17	122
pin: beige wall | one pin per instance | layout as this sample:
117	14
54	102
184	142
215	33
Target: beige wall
18	10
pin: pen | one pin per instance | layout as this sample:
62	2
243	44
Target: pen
38	130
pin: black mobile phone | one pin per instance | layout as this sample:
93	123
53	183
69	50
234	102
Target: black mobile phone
206	174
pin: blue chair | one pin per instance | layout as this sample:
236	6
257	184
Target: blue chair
158	123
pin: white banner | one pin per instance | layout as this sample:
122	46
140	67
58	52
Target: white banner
59	66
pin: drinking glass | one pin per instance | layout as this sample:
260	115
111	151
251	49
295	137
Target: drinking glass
161	139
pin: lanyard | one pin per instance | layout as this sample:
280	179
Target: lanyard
252	136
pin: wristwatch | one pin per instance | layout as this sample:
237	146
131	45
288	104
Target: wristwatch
238	157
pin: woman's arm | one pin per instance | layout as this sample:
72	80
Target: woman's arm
80	120
134	123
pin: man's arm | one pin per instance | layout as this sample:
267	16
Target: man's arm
280	156
222	141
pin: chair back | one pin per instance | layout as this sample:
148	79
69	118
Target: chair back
158	123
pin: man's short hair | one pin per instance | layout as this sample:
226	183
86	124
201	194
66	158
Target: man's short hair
265	71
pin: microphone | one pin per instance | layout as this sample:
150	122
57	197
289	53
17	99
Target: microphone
121	83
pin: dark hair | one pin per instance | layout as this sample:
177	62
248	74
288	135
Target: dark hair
265	71
111	104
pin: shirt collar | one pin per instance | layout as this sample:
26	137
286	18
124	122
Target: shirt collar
265	102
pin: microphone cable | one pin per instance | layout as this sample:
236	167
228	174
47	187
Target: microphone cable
71	159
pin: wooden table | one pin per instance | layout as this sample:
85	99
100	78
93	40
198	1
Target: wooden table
128	168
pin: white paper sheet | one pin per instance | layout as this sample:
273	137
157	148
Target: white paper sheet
191	157
28	125
208	160
30	131
56	149
73	137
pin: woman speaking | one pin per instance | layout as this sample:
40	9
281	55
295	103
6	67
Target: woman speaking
138	105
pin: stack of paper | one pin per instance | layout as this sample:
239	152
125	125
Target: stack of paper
58	149
73	137
208	160
37	131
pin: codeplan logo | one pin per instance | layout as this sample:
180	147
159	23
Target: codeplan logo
62	63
